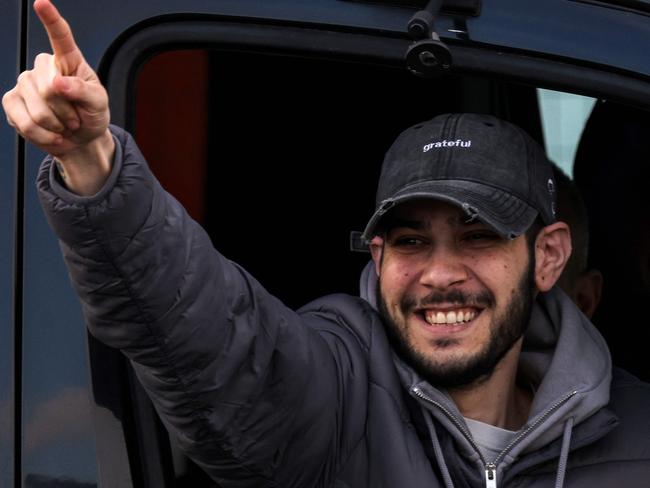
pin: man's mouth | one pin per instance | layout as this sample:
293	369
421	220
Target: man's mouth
450	317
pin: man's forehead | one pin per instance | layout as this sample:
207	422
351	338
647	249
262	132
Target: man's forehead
423	213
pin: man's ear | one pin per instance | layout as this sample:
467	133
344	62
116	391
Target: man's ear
376	246
552	251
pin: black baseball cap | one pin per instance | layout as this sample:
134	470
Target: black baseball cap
489	167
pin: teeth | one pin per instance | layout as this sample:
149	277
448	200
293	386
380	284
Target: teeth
449	317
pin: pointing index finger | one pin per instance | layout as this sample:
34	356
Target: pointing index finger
66	53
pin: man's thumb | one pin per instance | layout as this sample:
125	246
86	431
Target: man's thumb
63	85
90	96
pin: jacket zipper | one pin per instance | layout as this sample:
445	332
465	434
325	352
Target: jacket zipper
491	468
490	475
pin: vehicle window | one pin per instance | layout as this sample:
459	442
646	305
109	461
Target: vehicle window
564	116
311	136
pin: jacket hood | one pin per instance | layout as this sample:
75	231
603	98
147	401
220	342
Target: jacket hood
563	356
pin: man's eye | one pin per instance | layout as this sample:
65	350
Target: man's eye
407	241
480	236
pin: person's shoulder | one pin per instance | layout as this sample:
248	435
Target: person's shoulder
630	401
629	395
626	384
341	314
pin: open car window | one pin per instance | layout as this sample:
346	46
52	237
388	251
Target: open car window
564	116
312	136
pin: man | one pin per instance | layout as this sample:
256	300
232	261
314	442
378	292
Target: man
428	381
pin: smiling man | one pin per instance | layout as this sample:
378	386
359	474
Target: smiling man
440	277
460	366
457	274
466	252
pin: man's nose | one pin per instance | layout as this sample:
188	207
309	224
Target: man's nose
443	269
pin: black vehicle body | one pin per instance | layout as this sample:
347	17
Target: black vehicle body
307	90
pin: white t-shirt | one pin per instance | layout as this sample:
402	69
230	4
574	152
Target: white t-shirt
491	440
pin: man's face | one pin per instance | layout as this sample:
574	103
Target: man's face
456	296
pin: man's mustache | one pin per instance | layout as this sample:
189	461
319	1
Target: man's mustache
457	297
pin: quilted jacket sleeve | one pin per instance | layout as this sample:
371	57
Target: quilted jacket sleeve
232	371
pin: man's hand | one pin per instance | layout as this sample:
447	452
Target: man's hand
61	107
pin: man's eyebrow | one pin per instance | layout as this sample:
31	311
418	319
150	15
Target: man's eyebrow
466	220
392	223
395	222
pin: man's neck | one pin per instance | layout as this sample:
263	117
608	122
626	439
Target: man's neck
497	400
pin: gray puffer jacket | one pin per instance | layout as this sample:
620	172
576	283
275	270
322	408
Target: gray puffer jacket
262	396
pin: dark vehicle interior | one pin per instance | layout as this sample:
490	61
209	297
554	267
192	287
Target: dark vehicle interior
298	153
611	169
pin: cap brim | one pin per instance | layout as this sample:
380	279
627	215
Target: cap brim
507	214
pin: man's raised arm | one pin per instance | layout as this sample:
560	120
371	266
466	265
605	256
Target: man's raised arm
61	107
249	388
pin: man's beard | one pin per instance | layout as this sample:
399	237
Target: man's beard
505	330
